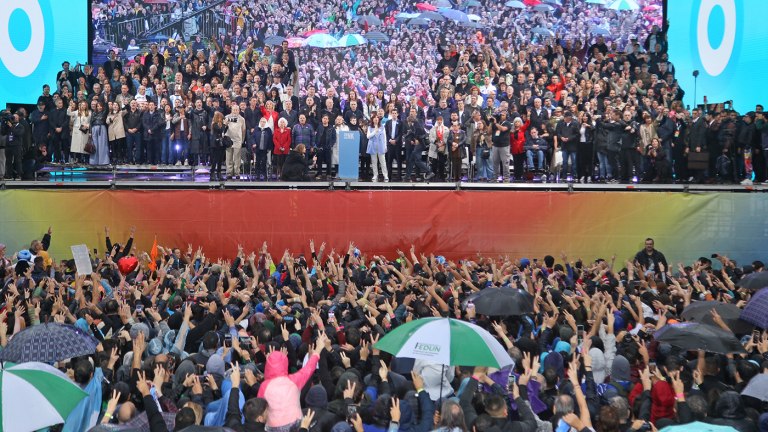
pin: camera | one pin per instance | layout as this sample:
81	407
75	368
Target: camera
6	120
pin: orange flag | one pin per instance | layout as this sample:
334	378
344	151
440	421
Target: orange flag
153	256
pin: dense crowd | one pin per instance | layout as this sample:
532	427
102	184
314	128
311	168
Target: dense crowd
287	342
577	92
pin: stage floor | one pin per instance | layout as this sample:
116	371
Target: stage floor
185	177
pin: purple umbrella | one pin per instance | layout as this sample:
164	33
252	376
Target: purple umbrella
755	310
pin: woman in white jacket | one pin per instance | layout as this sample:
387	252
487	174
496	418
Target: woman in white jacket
81	130
377	148
340	127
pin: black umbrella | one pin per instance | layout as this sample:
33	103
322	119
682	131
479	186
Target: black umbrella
502	302
754	281
697	336
48	343
701	312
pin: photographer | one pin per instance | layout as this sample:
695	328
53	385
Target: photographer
500	131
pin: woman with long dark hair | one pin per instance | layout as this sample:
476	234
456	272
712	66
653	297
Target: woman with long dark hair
219	128
99	134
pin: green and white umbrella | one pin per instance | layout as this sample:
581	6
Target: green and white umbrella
445	341
34	395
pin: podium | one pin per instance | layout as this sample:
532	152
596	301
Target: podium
349	155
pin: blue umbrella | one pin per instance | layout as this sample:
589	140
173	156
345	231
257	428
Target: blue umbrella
543	7
370	19
419	22
600	31
515	4
350	40
597	2
444	3
434	16
406	16
543	31
755	312
273	40
698	427
622	5
454	14
48	343
322	40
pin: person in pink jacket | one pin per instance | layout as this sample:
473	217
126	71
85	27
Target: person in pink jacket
283	391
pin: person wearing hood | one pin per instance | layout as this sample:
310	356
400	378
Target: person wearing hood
255	411
316	400
283	391
729	411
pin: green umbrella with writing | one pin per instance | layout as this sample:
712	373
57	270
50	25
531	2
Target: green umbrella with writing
445	341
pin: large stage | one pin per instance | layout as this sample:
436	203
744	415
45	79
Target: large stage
454	223
151	177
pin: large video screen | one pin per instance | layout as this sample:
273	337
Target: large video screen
726	41
36	36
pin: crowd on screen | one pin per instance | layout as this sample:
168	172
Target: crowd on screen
190	339
521	95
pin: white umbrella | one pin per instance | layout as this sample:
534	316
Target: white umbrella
35	395
473	17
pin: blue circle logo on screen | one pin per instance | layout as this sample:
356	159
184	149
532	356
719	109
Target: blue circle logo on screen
25	32
715	34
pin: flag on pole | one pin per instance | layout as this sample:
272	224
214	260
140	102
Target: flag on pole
153	256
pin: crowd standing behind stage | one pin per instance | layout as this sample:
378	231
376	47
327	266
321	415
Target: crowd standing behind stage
259	342
534	93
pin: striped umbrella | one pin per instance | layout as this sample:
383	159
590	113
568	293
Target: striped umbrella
35	395
376	36
350	40
445	341
624	5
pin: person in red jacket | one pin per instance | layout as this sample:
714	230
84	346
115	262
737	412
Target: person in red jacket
282	141
517	144
556	86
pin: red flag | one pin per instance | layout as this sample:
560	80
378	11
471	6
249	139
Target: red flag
153	256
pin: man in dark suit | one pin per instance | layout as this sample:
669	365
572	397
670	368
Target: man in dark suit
152	124
539	115
465	115
394	130
567	139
